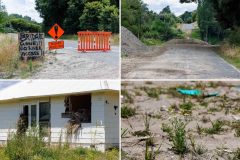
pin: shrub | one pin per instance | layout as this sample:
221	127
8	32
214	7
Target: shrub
234	37
32	147
21	25
127	112
24	147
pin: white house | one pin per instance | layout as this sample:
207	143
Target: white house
83	113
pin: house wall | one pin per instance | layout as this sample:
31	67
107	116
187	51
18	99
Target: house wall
89	133
102	131
112	119
9	114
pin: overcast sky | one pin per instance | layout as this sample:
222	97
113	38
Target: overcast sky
22	7
175	6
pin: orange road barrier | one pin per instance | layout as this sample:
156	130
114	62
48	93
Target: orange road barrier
94	41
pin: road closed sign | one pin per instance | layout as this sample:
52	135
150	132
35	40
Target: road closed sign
56	32
31	45
56	45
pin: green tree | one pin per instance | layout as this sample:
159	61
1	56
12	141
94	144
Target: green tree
207	23
74	11
52	11
3	17
91	18
109	19
188	17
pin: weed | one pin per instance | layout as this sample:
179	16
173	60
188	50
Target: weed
127	96
197	149
216	127
186	108
237	154
214	109
156	116
31	146
236	126
127	111
138	93
177	135
173	108
200	130
30	64
151	92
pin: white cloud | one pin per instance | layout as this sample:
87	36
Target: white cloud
175	6
22	7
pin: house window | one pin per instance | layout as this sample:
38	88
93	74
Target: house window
44	116
33	115
24	115
79	107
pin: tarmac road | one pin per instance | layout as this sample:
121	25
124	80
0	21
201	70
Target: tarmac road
180	61
68	63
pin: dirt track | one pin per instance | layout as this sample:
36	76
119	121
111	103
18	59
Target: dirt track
179	60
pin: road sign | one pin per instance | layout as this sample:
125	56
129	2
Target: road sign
56	45
31	45
56	32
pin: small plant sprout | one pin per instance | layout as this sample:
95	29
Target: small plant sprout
127	111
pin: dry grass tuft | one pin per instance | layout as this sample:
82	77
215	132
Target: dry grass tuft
8	54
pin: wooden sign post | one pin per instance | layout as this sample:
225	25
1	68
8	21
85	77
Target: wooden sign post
31	45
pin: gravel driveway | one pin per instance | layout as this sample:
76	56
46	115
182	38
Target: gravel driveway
68	63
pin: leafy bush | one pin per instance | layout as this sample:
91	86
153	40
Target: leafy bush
24	147
234	37
127	112
21	25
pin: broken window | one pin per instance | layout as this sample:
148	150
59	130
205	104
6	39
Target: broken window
79	108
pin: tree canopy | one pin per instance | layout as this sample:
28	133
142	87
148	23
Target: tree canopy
76	15
226	11
146	24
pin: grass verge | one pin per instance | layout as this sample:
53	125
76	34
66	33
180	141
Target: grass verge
31	146
230	53
10	63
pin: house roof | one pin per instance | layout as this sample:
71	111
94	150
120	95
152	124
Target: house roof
4	83
41	88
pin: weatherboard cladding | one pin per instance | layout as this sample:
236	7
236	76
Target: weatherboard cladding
96	132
